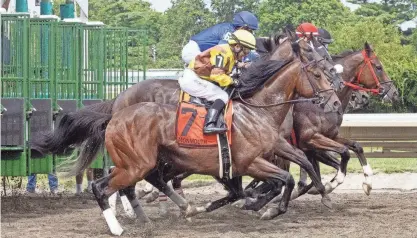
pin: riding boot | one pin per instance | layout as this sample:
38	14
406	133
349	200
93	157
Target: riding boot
210	124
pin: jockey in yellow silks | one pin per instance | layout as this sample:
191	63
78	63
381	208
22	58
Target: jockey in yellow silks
210	70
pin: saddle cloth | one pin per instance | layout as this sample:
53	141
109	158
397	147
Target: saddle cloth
191	113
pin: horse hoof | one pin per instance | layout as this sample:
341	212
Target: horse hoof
313	191
271	213
326	201
141	193
367	188
239	203
192	211
152	196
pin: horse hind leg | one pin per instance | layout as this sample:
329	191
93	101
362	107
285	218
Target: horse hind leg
131	203
99	187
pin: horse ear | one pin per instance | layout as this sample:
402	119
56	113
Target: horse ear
368	48
289	30
296	47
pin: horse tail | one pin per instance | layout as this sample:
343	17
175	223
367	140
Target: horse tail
75	129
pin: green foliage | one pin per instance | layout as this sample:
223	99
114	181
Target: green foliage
375	23
223	10
184	19
400	62
276	14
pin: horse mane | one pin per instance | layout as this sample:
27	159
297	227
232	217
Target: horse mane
267	45
344	54
258	73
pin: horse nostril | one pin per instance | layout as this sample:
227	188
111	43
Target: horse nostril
336	104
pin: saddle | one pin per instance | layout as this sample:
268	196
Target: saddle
191	112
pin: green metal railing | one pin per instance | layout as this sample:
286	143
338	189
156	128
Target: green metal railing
14	85
50	62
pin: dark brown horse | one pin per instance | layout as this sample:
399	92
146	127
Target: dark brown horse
140	136
318	132
159	91
364	72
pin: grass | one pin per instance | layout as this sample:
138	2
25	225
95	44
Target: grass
379	165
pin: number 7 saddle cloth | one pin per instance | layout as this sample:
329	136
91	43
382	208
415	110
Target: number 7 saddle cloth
191	113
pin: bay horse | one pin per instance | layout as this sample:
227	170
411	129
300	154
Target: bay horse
159	91
364	72
143	135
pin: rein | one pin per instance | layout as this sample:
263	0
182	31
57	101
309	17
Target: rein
367	62
316	99
280	103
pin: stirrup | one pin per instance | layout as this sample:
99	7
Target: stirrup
211	129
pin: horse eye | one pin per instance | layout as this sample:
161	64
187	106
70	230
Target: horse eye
378	67
316	74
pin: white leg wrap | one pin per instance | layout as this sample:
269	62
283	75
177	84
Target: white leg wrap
127	207
340	177
112	222
367	170
112	202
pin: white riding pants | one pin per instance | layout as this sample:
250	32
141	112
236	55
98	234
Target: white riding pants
191	83
190	51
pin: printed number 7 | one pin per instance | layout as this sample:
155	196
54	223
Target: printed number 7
190	122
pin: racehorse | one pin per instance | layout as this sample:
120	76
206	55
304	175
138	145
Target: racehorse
363	71
160	91
143	135
131	166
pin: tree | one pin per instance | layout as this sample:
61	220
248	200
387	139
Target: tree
389	10
184	19
223	10
276	14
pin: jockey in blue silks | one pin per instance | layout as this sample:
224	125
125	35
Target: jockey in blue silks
220	34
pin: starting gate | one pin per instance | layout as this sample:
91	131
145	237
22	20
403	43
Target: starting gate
41	84
51	67
14	95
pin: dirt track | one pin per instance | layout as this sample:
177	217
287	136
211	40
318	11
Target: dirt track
353	215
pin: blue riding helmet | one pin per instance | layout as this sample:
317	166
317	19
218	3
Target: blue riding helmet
245	18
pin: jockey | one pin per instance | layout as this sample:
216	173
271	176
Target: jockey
210	70
307	31
218	34
324	39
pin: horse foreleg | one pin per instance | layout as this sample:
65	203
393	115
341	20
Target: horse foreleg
130	201
234	186
295	155
323	143
271	174
155	179
367	170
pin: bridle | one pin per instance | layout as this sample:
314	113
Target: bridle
367	62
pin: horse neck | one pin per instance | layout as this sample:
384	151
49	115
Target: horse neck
280	88
351	64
